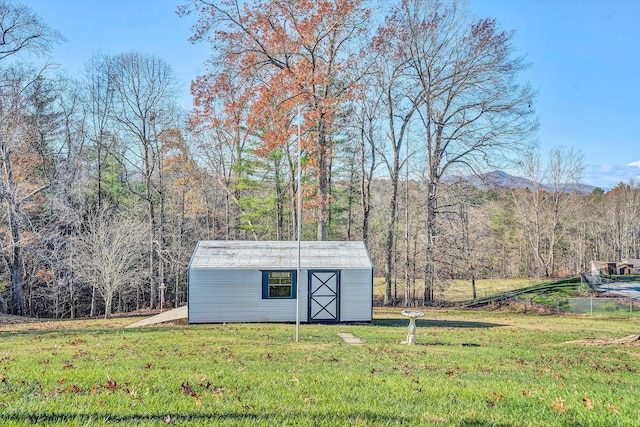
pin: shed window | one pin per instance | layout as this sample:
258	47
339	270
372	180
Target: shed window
278	284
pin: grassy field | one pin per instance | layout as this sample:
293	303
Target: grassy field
459	290
468	369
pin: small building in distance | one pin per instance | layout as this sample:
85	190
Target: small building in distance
634	263
607	268
249	281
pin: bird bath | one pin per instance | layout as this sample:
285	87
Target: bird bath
412	315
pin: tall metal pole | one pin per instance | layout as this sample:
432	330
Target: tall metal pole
407	288
298	280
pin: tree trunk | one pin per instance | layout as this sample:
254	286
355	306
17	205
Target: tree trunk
12	206
279	201
152	286
176	303
323	180
393	205
473	283
365	192
108	298
429	269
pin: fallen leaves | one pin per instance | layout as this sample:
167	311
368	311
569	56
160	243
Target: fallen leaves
131	392
74	389
587	402
187	389
493	399
558	405
111	385
496	396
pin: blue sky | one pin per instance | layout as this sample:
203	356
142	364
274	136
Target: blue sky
584	55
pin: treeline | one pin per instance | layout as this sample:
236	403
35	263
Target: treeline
106	185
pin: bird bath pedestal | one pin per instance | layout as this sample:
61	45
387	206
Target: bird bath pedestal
412	315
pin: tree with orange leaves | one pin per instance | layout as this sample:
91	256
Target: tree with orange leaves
294	52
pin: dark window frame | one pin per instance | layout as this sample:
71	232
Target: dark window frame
266	284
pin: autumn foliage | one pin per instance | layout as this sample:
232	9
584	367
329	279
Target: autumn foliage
269	58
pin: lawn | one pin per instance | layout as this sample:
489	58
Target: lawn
468	369
457	290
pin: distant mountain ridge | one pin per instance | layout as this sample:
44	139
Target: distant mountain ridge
501	179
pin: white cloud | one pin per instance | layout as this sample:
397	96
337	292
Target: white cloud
636	164
608	176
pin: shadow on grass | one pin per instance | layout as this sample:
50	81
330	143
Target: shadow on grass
426	323
263	418
479	423
87	418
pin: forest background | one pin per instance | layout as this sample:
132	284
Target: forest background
106	185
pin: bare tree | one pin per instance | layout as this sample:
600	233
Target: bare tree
543	209
474	111
20	31
23	31
399	102
98	101
19	159
144	90
622	211
109	253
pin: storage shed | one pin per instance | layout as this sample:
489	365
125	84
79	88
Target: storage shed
248	281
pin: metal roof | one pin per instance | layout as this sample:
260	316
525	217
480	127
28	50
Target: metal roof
279	255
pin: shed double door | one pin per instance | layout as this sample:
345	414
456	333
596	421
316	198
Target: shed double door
324	296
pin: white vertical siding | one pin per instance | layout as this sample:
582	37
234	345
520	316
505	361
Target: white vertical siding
225	280
235	295
356	297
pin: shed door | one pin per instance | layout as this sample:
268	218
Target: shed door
324	296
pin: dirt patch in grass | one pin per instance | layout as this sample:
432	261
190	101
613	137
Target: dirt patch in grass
632	340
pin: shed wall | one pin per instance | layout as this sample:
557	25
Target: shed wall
234	295
356	298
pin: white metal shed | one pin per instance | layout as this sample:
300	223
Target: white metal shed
248	281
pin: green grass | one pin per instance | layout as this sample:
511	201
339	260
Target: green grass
469	369
459	290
